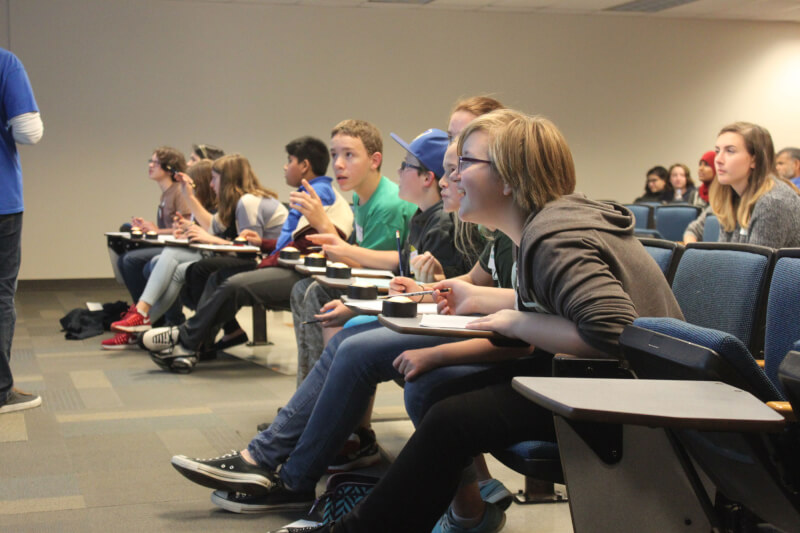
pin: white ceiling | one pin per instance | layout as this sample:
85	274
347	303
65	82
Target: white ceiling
762	10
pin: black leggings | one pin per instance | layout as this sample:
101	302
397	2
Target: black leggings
418	487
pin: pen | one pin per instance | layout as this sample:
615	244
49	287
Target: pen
399	253
315	321
418	293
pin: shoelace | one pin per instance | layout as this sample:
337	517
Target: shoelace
233	453
164	337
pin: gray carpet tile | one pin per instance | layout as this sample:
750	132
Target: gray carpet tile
97	454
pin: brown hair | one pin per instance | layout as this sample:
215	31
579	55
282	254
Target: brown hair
200	173
529	154
731	208
236	180
477	105
361	129
689	181
170	158
469	236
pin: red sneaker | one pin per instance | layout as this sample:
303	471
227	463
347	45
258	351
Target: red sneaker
132	322
120	341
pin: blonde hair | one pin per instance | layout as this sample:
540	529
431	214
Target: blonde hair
469	237
236	180
529	154
731	208
369	135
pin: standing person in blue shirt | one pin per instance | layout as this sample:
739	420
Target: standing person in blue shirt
21	124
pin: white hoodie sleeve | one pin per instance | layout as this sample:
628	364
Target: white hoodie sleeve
27	128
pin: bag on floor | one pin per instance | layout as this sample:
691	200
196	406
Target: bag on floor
343	492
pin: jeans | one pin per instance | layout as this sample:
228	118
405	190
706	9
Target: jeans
167	278
307	298
10	256
132	266
327	406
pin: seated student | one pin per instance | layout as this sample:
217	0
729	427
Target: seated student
657	187
228	284
204	151
161	166
306	434
754	205
706	173
582	277
684	191
243	205
787	165
356	152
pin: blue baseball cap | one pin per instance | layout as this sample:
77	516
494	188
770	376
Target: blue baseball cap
429	147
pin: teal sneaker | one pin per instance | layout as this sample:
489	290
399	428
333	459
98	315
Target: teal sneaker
493	491
493	520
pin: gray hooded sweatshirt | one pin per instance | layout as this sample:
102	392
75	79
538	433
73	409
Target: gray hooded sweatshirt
579	259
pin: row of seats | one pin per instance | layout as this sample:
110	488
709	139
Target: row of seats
669	221
739	291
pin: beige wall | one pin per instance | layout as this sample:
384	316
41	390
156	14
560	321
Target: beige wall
116	78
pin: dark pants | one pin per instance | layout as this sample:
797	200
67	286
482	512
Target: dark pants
426	474
10	256
223	297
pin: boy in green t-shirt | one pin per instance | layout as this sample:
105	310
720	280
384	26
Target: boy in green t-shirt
356	156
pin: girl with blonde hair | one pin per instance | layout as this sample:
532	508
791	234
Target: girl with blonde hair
582	277
753	203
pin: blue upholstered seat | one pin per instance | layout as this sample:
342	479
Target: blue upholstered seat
671	220
642	214
723	286
783	311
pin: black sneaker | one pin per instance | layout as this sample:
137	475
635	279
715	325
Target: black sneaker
229	472
360	451
17	400
180	364
278	498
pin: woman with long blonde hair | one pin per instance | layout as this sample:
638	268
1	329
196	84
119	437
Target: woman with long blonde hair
753	203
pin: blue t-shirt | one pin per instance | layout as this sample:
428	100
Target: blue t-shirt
322	186
16	98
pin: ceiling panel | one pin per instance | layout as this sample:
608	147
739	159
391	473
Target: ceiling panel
765	10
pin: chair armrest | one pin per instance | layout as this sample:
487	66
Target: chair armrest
573	366
784	408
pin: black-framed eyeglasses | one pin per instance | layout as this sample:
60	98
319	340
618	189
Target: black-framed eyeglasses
405	165
465	162
154	161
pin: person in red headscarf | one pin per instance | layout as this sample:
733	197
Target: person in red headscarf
706	174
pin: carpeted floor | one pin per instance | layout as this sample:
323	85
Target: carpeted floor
95	456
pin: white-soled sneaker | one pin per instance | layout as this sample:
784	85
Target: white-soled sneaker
17	400
161	339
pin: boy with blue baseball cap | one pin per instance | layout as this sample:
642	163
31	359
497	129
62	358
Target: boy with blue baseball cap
278	470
